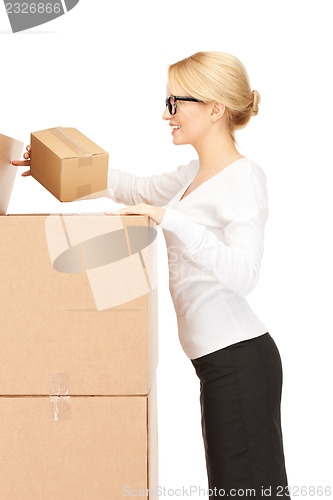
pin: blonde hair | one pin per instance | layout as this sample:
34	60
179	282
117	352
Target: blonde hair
219	77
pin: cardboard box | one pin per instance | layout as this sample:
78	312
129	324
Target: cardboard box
67	163
97	448
50	322
78	357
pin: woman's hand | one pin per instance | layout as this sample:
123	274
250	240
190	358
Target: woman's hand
155	213
24	163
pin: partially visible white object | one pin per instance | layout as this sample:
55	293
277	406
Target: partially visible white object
10	149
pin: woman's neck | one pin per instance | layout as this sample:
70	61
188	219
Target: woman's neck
215	153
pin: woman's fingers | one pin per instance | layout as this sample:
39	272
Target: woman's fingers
19	163
27	155
23	163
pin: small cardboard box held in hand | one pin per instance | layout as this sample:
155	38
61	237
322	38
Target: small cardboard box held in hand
67	163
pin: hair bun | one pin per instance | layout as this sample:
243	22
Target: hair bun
255	102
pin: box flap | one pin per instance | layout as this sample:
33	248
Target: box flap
10	149
62	147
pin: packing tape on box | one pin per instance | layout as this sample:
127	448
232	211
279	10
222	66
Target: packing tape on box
60	408
59	401
84	155
83	190
119	260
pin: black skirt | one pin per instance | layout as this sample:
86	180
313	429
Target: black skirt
240	397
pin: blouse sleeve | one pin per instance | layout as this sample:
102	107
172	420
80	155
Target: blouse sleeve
235	263
158	189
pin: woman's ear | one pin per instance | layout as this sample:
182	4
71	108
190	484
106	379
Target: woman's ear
218	110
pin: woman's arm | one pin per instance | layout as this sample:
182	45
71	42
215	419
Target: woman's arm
131	189
157	189
243	216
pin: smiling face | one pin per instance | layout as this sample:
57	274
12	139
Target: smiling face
192	120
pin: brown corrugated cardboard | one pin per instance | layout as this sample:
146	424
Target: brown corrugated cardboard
67	163
99	448
49	319
78	357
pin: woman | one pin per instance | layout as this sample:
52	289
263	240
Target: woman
213	213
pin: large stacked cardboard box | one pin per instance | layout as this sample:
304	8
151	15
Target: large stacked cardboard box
78	357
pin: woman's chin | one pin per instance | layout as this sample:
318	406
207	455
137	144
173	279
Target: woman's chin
178	141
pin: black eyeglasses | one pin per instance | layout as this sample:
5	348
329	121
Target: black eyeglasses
171	102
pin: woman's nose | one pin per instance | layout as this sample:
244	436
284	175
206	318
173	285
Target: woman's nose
166	115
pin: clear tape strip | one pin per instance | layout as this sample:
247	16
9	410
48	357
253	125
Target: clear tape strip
84	155
83	190
58	384
59	399
60	408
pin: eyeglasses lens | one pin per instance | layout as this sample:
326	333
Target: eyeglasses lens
170	102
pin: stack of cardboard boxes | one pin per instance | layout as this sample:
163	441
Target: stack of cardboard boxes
78	357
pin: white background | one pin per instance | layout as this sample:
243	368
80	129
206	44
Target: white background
102	69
